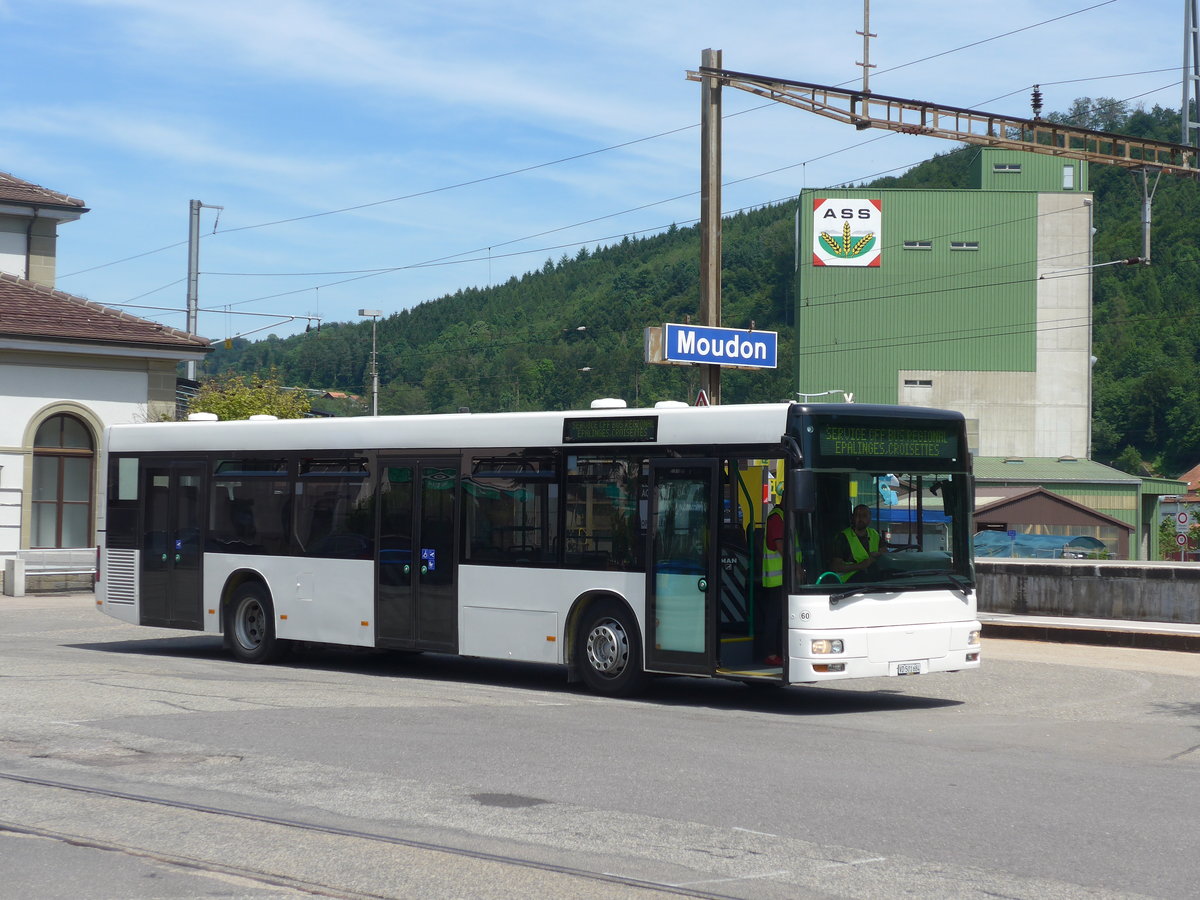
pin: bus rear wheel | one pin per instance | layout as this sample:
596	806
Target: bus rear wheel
609	650
250	625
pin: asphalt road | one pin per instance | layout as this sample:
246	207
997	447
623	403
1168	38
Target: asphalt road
145	763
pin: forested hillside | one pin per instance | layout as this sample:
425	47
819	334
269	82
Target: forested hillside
519	345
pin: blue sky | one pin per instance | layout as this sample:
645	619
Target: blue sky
406	110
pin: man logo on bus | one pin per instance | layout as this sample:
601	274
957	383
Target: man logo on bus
846	232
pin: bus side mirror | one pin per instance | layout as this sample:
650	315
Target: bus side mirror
801	490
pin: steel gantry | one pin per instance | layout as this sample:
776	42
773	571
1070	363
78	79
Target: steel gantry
971	126
865	109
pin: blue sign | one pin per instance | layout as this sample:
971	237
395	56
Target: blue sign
429	558
720	346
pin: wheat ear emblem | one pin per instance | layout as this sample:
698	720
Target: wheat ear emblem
842	247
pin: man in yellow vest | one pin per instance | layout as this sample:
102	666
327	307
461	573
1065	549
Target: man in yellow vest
856	548
772	581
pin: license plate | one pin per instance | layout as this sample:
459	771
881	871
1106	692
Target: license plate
913	668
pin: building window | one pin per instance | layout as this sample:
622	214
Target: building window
1006	168
918	382
964	245
63	454
1068	177
918	245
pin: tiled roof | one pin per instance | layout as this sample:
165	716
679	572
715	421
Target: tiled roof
1191	477
14	190
35	312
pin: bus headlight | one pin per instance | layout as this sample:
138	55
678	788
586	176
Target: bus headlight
823	646
973	637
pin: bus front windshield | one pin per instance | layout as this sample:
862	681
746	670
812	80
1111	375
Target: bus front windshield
899	530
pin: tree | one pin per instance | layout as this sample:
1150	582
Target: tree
243	396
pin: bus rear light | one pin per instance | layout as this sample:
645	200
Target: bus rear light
823	646
829	667
973	637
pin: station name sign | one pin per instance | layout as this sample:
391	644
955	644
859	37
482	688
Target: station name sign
688	344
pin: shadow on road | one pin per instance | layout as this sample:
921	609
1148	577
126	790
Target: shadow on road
871	695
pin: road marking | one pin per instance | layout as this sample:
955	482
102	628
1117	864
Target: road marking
853	862
781	873
752	831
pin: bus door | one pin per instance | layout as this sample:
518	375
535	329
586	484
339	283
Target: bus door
416	598
682	572
173	521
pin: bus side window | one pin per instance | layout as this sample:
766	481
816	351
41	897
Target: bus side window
335	509
511	511
249	501
604	513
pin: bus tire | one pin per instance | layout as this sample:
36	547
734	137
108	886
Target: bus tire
250	625
609	650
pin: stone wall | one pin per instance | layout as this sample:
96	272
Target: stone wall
1118	589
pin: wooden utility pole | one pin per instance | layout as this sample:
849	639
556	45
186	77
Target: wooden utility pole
710	214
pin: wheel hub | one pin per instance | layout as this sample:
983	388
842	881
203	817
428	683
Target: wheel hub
608	648
250	624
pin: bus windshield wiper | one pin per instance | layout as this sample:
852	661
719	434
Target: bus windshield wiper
960	585
852	592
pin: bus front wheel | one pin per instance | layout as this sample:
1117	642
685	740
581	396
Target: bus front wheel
250	625
609	651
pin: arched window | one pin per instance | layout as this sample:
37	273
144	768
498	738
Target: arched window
63	453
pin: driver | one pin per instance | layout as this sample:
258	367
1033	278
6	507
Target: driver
855	548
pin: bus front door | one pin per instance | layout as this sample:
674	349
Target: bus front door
171	594
416	600
682	569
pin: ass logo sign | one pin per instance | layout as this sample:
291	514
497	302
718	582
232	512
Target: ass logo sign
847	232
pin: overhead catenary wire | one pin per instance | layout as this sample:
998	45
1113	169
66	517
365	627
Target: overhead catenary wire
466	257
458	258
617	146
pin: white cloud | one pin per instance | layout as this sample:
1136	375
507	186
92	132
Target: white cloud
275	109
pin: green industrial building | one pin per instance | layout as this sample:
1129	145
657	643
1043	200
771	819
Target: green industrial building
977	300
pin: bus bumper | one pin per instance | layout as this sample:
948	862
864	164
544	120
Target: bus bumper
820	655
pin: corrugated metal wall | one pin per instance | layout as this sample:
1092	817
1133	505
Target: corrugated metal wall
941	308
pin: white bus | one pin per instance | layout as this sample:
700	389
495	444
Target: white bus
616	542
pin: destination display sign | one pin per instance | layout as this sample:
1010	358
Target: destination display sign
720	346
611	430
887	441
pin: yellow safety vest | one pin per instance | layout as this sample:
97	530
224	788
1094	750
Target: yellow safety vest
856	547
772	560
856	550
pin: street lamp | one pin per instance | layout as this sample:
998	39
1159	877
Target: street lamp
374	315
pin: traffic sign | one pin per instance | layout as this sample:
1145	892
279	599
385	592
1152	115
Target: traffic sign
1181	540
1182	522
702	398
